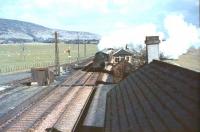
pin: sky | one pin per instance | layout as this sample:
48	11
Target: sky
99	16
117	21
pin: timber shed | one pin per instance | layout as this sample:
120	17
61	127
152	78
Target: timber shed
158	97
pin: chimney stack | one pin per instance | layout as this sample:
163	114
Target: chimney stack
152	48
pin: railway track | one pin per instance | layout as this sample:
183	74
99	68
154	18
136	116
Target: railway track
5	95
71	114
68	118
18	102
45	109
52	97
12	87
62	105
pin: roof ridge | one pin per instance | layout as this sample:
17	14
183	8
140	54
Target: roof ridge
121	50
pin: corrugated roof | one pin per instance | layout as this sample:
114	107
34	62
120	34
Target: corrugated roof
158	97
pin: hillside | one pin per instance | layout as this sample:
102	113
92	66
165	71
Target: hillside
189	60
14	31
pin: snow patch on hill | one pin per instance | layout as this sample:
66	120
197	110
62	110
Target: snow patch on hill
14	31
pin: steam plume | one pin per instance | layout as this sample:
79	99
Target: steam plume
179	36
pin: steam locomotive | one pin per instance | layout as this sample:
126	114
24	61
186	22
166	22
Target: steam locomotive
98	63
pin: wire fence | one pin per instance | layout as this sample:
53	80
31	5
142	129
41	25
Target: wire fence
27	67
14	59
24	67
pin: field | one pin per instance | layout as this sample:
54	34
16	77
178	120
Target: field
18	57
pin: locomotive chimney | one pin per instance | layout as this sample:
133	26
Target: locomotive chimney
152	48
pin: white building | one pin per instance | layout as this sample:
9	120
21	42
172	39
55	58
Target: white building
121	55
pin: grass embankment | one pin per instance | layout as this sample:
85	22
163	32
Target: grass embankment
17	57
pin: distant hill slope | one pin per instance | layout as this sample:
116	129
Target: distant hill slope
14	31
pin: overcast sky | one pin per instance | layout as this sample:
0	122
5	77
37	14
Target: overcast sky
98	16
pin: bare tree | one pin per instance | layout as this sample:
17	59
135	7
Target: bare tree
139	56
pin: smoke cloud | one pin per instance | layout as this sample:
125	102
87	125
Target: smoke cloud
125	34
179	36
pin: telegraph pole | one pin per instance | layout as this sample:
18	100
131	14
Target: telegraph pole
78	49
84	49
57	64
22	52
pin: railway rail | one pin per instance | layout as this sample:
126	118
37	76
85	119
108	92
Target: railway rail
57	91
51	107
19	101
55	109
